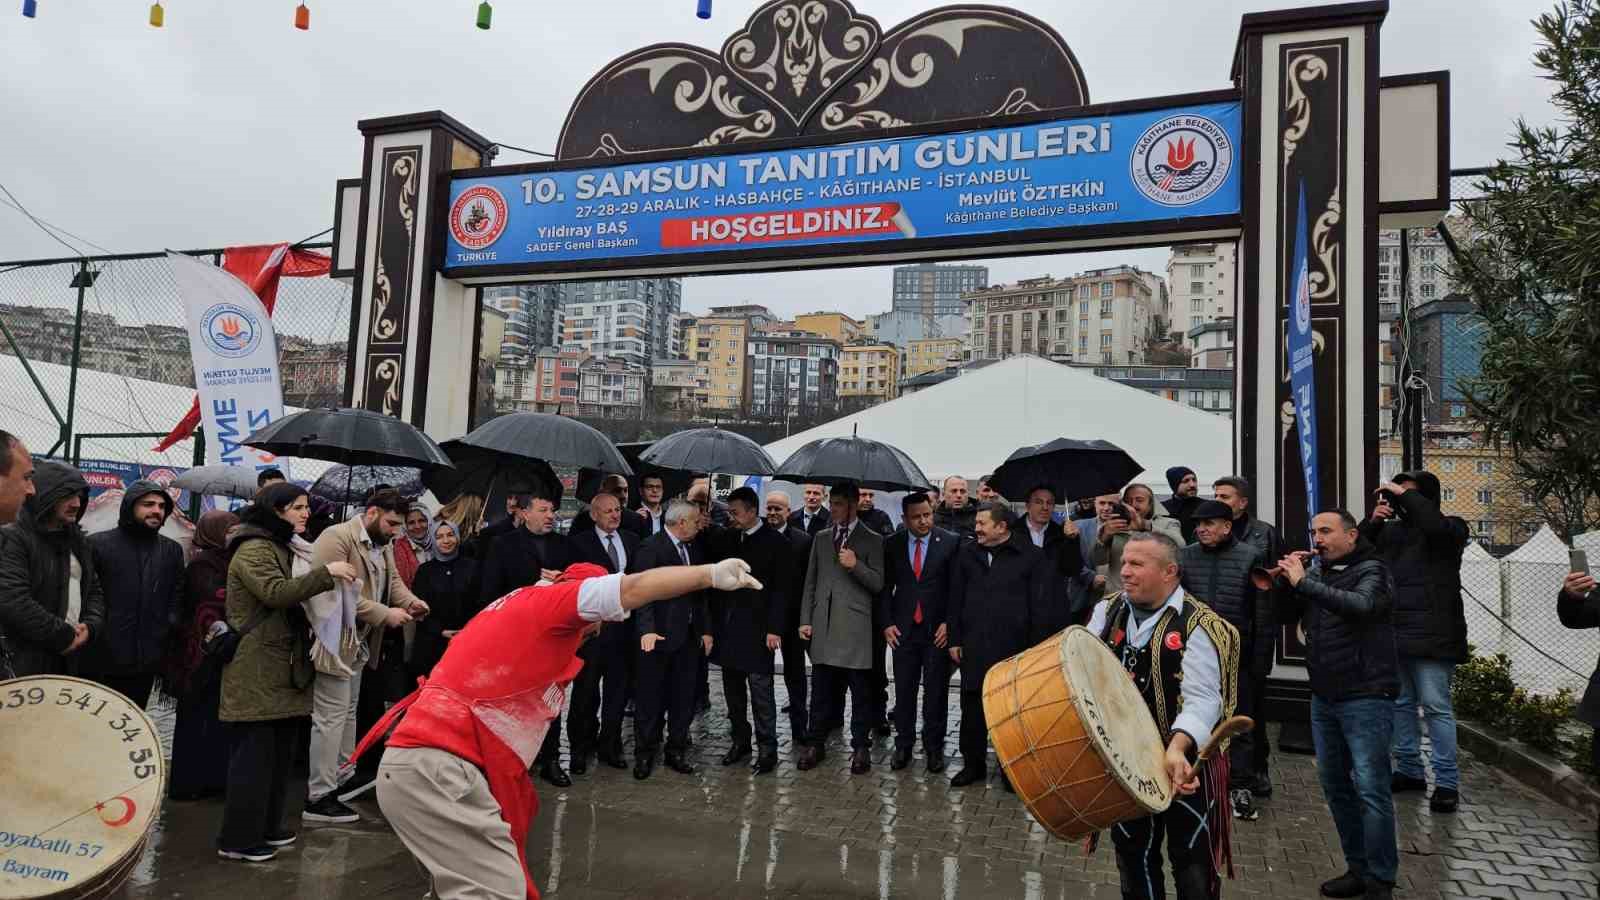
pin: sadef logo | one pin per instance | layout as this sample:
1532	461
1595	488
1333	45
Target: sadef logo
1181	160
230	330
478	217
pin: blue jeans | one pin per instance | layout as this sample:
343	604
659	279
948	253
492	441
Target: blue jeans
1352	741
1426	683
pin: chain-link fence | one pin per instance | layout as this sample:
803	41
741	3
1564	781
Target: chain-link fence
121	320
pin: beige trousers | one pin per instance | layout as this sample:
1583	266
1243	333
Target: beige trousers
440	806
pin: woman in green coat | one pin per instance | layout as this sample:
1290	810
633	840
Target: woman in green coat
260	699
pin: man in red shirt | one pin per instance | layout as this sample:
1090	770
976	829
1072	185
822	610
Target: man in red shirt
454	777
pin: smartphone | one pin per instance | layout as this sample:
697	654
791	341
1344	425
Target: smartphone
1121	510
1580	560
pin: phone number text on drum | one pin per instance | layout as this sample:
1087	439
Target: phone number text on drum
87	703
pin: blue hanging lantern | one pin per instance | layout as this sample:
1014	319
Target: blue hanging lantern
30	8
703	9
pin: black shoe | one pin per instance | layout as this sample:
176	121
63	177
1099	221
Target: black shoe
553	773
810	756
860	762
765	763
643	765
329	811
1244	807
1377	890
678	764
935	762
1445	800
281	838
1347	885
900	759
614	759
359	784
968	775
1400	784
1261	787
580	766
735	754
249	854
882	730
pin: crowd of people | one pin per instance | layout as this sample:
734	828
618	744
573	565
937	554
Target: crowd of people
288	634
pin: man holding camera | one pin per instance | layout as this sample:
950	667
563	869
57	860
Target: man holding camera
1422	548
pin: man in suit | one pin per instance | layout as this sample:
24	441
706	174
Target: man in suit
1062	551
996	591
843	578
812	517
793	646
651	489
916	598
673	635
531	551
748	628
631	522
605	657
880	523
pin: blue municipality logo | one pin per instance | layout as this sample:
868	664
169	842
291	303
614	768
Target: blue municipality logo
230	330
1181	159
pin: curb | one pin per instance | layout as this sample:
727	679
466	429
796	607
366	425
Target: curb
1534	768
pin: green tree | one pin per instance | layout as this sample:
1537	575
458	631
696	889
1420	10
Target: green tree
1529	256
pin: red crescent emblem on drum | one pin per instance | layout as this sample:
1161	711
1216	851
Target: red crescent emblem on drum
127	813
1174	641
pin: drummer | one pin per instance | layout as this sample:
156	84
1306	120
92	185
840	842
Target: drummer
1184	658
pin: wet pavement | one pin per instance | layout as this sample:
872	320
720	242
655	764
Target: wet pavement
725	833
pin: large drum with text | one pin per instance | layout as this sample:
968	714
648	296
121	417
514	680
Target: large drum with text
81	780
1074	736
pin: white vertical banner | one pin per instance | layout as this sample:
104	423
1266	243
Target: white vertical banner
235	356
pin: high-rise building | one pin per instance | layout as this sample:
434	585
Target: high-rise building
901	328
1110	316
533	316
931	354
929	289
1012	319
833	325
1211	345
1428	271
792	375
678	336
1447	351
628	319
1200	279
869	373
717	345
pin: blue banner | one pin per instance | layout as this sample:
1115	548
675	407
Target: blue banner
1127	168
1302	358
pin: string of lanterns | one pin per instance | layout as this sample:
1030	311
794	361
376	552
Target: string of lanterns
302	13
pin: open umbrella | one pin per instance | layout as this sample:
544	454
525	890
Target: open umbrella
1072	468
674	482
349	436
709	450
522	446
352	484
219	481
867	463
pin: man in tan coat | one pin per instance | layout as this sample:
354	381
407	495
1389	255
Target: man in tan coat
348	623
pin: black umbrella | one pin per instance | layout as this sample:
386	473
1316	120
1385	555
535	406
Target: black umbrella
867	463
352	484
522	446
355	437
709	450
1071	468
674	482
492	476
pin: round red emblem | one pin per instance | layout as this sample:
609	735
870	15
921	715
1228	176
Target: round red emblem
1174	642
478	217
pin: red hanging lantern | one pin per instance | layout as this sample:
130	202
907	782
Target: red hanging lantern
302	17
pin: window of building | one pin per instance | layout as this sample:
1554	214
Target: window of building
1197	270
1197	305
1107	289
1197	287
1196	397
1426	254
1216	399
1105	307
1448	465
1485	467
1458	410
1105	340
1427	289
1083	291
1484	528
1061	333
1446	495
1083	343
1486	497
1196	321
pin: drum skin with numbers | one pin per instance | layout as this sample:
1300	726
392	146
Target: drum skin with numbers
1074	736
82	775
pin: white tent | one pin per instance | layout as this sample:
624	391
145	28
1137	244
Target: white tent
1589	542
1543	548
970	424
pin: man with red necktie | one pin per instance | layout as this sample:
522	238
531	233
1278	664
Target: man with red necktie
911	613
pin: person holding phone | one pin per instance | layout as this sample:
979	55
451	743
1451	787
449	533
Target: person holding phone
1578	606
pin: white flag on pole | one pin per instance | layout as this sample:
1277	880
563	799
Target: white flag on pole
235	356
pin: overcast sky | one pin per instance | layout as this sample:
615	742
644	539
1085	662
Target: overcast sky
228	126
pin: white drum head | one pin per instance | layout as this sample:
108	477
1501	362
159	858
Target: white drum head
1113	713
82	778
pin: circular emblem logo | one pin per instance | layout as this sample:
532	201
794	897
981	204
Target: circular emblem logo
1302	305
1181	160
1174	642
230	330
478	217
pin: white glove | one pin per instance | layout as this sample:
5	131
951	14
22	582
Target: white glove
733	575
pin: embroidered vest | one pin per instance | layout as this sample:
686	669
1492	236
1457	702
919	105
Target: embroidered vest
1156	666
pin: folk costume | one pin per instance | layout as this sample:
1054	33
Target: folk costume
1184	658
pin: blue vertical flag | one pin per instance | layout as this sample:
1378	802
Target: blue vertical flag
1302	358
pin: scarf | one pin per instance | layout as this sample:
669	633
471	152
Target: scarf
433	542
332	614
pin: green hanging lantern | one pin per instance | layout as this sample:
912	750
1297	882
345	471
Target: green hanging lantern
485	13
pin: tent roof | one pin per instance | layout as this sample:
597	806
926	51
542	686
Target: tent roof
105	403
970	424
1476	553
1543	547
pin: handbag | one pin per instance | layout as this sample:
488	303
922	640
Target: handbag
219	649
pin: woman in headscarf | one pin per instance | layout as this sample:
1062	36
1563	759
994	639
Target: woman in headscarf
411	549
449	583
199	744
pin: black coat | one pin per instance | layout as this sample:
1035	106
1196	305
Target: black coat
1422	548
679	619
1583	612
33	580
1220	578
1182	509
876	520
741	620
960	521
515	558
454	595
995	608
587	547
1064	557
141	579
1348	609
821	520
903	590
795	588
